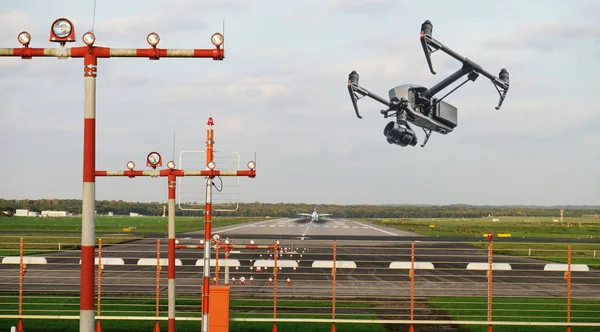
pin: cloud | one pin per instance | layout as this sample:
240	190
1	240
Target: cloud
547	36
361	6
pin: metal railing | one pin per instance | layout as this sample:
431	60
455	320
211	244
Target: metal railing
333	282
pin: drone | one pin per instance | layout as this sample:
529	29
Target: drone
411	103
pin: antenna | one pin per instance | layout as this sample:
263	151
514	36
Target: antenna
94	17
173	145
223	34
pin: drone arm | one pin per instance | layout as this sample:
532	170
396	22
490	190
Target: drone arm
368	93
354	88
431	45
427	94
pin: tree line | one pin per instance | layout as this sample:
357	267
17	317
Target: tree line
279	210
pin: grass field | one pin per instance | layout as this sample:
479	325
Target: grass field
185	307
520	310
65	232
517	227
581	253
521	227
452	308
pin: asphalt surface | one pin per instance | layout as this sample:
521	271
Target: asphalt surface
370	247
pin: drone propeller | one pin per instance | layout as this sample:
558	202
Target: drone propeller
426	31
352	82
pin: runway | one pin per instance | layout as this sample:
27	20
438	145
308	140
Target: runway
372	261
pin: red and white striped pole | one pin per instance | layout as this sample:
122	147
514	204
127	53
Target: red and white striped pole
172	183
172	175
90	55
207	225
88	217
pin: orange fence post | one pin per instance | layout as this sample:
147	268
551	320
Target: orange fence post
569	288
275	252
158	268
21	275
489	313
98	324
216	262
412	286
333	272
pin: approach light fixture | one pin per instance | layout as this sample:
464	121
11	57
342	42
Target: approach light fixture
216	237
130	165
226	241
171	164
251	241
176	241
153	39
211	165
251	164
201	242
89	38
62	31
153	160
217	39
24	38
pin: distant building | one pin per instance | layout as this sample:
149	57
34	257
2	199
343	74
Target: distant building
33	214
110	214
55	213
133	214
22	213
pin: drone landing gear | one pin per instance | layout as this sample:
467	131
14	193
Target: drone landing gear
427	135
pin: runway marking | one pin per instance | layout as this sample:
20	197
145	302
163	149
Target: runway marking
258	223
306	230
354	226
326	226
377	229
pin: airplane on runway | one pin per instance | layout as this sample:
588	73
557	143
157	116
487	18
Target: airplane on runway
315	216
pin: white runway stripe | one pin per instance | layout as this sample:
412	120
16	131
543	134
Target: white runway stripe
377	229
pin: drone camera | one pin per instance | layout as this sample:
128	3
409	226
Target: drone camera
399	135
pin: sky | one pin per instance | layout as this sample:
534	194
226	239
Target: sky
281	94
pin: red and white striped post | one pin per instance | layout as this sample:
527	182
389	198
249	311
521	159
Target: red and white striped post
172	175
207	224
172	183
90	55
